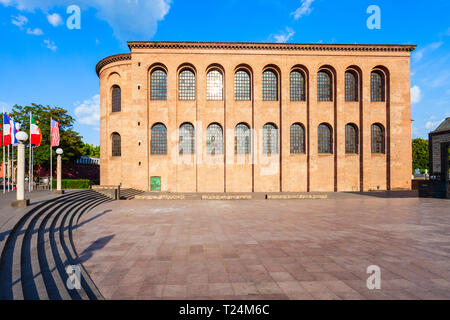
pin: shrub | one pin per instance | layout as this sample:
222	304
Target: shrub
73	184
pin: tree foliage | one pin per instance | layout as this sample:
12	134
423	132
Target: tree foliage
91	150
420	154
70	141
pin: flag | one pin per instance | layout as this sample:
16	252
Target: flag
6	130
35	133
54	134
15	126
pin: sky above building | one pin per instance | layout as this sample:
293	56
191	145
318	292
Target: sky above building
48	51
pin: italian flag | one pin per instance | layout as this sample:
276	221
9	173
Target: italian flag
35	132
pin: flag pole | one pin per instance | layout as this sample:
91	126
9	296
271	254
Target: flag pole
3	144
29	161
51	172
9	170
12	165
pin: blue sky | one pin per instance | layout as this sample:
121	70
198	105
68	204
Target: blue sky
43	61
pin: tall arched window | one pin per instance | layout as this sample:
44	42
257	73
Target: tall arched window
242	139
159	139
242	89
377	86
377	138
297	86
324	91
187	139
270	85
351	138
158	85
297	138
116	145
186	86
214	85
270	139
351	86
214	139
325	140
116	99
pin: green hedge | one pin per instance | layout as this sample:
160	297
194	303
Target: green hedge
73	184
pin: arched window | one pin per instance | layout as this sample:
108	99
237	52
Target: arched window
159	139
242	139
158	85
325	140
324	86
116	145
351	86
377	86
214	139
116	99
270	86
242	89
187	139
186	87
297	86
297	138
377	138
270	139
351	138
214	85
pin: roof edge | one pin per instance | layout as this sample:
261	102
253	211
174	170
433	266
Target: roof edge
111	59
270	46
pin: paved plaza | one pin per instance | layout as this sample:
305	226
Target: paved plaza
268	249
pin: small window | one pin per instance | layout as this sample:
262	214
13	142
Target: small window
159	139
325	140
116	145
297	138
214	139
351	86
324	91
242	139
242	89
187	139
351	138
297	86
270	139
377	84
378	138
158	85
116	99
214	85
186	87
270	86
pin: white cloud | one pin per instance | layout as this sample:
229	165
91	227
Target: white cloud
55	19
284	36
416	95
5	105
419	53
303	10
35	31
431	125
88	112
19	20
50	45
129	19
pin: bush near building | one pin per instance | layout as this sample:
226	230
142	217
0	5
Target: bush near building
73	184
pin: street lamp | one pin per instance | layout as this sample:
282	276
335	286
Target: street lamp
20	197
59	152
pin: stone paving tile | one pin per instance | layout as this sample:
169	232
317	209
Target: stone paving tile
309	249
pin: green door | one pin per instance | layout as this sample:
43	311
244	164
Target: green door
155	183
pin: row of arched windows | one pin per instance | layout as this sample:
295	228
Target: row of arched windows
243	91
242	141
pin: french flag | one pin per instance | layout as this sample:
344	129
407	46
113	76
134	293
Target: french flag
7	125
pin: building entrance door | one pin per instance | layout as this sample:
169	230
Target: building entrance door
155	184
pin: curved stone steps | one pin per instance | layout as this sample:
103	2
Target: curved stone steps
129	193
40	246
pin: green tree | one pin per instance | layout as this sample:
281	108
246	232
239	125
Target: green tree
420	154
91	150
70	141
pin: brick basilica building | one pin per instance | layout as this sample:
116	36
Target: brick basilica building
256	117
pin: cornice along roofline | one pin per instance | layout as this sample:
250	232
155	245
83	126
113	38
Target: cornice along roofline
267	46
251	46
111	59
